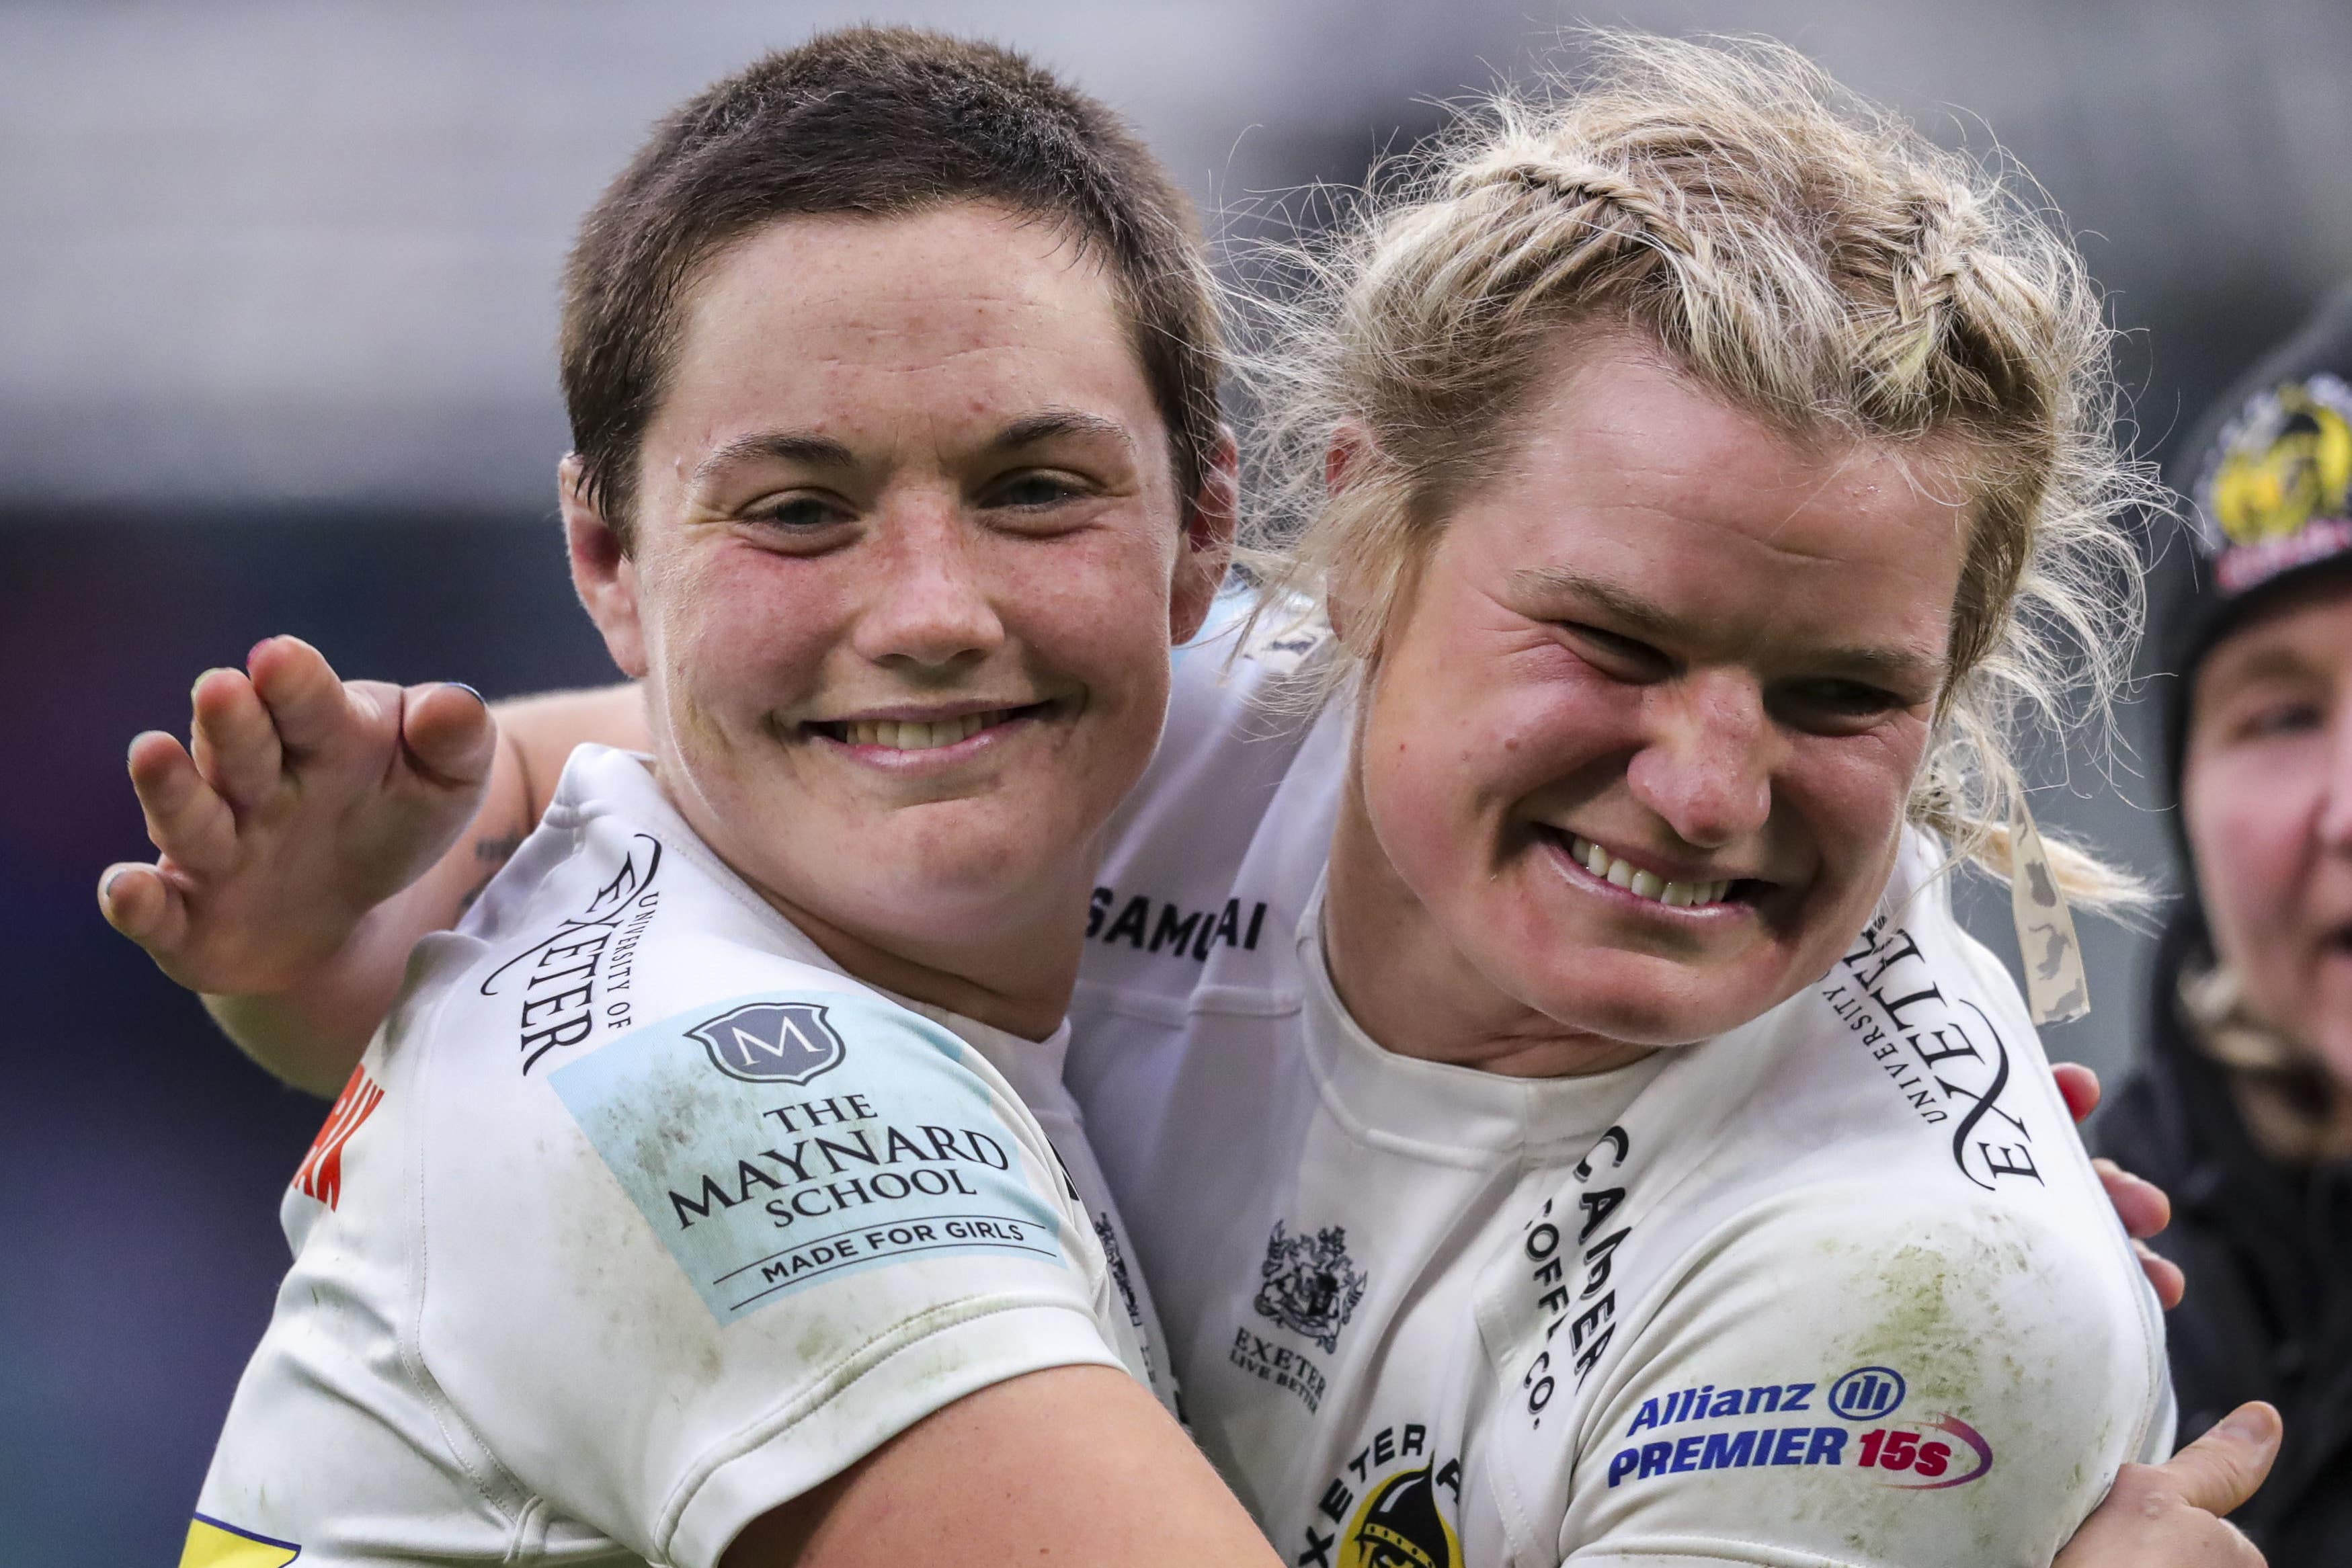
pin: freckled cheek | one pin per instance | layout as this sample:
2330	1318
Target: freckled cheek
1094	606
1843	800
737	654
1430	791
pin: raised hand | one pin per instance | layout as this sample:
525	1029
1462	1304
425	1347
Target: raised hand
301	805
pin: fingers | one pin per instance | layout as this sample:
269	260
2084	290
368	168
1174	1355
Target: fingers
2223	1469
307	702
2164	1276
2142	1206
187	819
233	740
448	733
2079	1086
140	903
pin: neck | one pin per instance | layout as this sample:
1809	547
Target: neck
1012	966
1019	981
1416	993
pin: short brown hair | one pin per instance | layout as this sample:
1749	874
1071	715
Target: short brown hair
881	122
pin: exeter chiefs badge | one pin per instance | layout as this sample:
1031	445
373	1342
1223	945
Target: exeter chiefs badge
771	1042
2275	495
1310	1285
1399	1527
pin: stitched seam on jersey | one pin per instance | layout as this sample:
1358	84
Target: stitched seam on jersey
836	1383
411	1337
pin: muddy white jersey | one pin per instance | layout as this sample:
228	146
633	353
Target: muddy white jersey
1838	1287
640	1218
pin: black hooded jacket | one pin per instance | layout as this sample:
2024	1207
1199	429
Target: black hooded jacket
2267	1249
2266	1244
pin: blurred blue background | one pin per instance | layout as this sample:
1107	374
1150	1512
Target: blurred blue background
276	303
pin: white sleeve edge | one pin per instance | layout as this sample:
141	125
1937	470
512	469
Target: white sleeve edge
831	1424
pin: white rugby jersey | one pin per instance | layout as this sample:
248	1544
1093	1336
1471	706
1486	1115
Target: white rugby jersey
1839	1287
639	1218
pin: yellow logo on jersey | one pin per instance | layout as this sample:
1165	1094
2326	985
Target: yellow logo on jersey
1399	1527
2289	462
211	1544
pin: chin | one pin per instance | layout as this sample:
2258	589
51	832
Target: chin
1643	999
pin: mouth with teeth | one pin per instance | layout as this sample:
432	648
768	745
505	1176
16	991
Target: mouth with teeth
919	735
1648	885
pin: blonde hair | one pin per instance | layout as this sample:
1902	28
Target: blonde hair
1803	255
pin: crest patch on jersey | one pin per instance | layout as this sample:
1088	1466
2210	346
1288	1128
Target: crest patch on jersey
771	1042
759	1184
1309	1283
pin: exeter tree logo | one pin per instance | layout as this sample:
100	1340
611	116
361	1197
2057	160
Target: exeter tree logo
772	1042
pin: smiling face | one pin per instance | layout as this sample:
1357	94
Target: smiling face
905	563
2266	797
1638	743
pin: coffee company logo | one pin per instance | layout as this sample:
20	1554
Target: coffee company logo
772	1042
1309	1284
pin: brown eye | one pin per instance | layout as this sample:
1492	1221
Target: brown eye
1034	491
1832	705
800	514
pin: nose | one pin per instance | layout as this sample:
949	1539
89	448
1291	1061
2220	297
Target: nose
1704	765
928	605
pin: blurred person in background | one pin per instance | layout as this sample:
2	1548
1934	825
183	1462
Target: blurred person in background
2244	1109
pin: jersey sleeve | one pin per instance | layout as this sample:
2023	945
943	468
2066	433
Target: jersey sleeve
686	1277
1894	1385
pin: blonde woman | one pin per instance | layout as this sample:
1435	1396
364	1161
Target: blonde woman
1556	1110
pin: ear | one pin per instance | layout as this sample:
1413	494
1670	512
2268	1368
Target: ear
1212	516
1350	461
1349	454
602	573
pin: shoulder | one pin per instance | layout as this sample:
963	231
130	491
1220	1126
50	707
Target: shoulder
1888	1369
1245	747
1244	695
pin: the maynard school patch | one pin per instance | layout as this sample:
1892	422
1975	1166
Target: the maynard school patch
776	1140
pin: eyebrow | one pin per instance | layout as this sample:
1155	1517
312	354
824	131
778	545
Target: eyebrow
1647	619
1053	423
799	446
812	450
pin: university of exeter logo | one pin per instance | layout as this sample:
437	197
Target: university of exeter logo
1311	1285
771	1042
